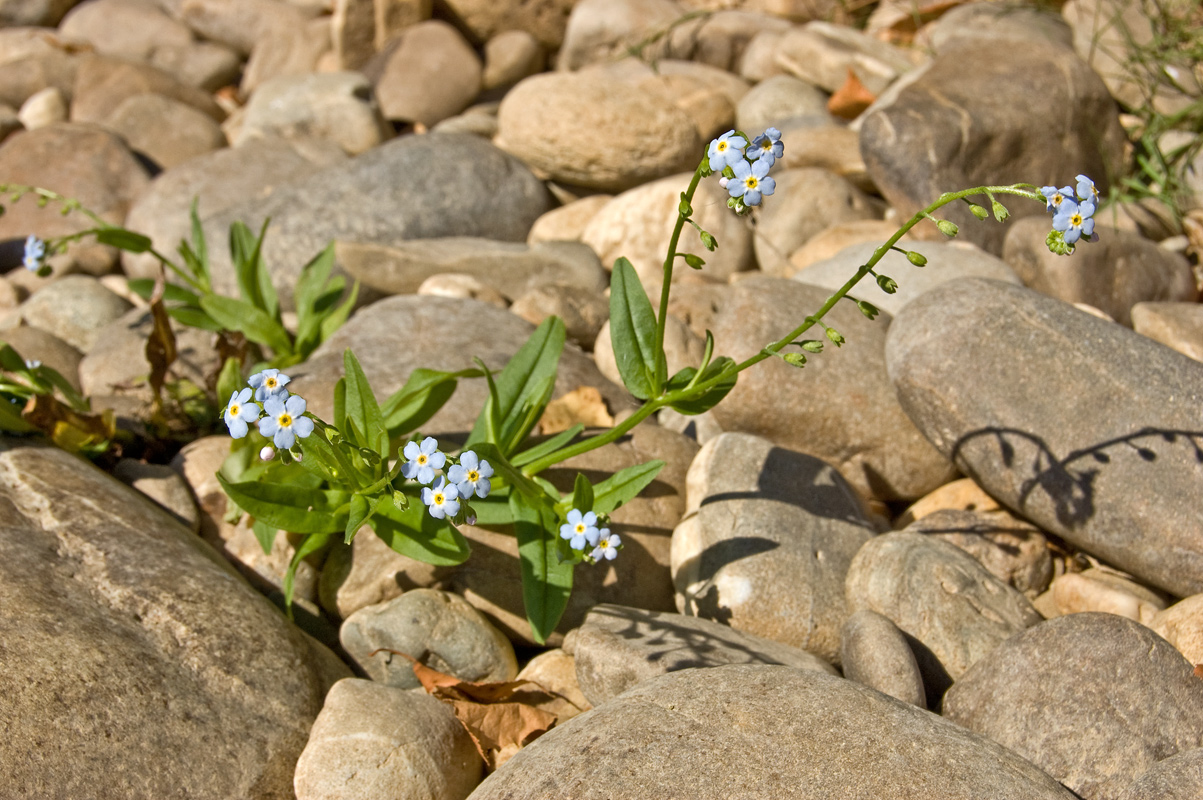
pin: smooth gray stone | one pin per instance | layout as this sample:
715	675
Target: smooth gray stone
874	652
748	731
1093	699
1085	428
414	187
618	647
1175	778
128	642
953	609
1014	551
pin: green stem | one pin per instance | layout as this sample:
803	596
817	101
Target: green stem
661	364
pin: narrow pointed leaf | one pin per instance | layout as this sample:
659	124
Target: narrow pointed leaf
361	407
290	507
255	324
624	485
546	582
416	534
521	382
633	331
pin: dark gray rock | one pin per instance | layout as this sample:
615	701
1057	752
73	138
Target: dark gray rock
952	608
768	543
985	369
128	641
1039	106
1093	699
873	651
1117	272
618	647
1175	778
415	187
747	731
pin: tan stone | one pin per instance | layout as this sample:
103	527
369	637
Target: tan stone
1182	626
1095	590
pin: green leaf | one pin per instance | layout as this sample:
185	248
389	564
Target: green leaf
172	293
530	413
335	319
290	507
623	486
362	509
321	462
361	406
199	252
254	323
494	511
521	384
712	396
340	404
314	300
246	251
549	446
416	534
229	380
195	318
312	544
424	393
546	581
633	331
11	419
123	240
265	534
582	493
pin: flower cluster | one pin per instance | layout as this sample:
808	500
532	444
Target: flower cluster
445	496
745	167
585	529
1073	210
283	417
35	255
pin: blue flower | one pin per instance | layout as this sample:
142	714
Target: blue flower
767	147
607	546
442	499
471	475
751	181
284	421
239	412
726	151
1073	221
268	383
1054	197
579	529
35	253
423	460
1087	193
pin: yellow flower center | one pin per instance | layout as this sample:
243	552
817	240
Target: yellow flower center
421	459
1076	220
438	498
767	144
580	527
721	146
285	420
270	383
235	410
473	476
751	182
603	544
1057	198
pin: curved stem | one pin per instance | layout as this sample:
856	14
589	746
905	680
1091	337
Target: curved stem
661	364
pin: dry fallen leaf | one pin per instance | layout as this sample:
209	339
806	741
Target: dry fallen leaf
582	406
1199	670
501	717
851	99
68	429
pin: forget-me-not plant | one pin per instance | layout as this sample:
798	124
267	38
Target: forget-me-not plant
285	422
240	412
268	383
423	460
471	475
35	253
442	499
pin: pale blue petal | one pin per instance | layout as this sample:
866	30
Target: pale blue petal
303	426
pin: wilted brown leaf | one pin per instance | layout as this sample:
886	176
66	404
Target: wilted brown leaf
1199	670
850	99
160	345
582	406
68	429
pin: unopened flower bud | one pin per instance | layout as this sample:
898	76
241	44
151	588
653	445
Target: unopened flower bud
1000	211
868	309
916	258
946	227
708	241
796	359
887	284
267	453
835	337
978	211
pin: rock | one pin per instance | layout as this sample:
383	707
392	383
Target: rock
426	74
567	222
620	647
439	629
638	223
293	47
954	611
1175	778
163	485
167	131
555	671
466	287
217	181
981	22
103	83
820	142
577	129
822	54
24	77
722	38
43	108
766	543
394	16
80	161
806	202
1113	274
484	193
950	129
368	573
1099	474
764	731
205	65
759	60
483	125
831	240
545	19
38	345
776	99
1096	590
946	261
353	31
128	29
129	639
875	653
1129	701
1012	550
333	106
377	741
1176	325
240	24
510	268
1182	626
600	30
959	495
75	308
34	12
868	438
582	311
511	56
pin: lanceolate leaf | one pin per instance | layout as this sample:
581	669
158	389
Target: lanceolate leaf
624	485
361	407
633	331
289	507
522	382
546	583
256	325
711	398
311	545
424	393
416	534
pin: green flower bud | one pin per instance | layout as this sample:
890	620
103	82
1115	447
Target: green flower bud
1055	241
916	258
810	345
978	211
708	241
946	227
1000	211
868	309
835	337
685	208
887	284
796	359
704	170
694	261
